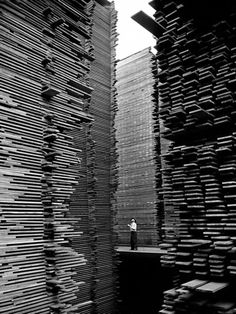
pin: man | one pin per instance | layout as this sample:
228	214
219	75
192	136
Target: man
133	234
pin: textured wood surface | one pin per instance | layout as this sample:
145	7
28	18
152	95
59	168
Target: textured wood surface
102	78
47	159
197	100
137	147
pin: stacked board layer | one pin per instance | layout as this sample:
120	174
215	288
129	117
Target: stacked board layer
104	39
47	159
197	111
137	147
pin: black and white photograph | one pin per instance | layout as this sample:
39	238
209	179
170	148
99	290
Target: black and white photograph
117	157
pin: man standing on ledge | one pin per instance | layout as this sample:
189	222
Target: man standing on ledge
133	234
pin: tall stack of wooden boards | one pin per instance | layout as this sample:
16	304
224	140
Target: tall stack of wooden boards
103	214
54	258
197	74
137	147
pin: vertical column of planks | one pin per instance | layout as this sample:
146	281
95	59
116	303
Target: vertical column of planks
23	276
65	282
45	93
196	88
114	157
102	78
138	161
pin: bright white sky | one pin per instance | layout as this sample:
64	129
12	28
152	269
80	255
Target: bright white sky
132	37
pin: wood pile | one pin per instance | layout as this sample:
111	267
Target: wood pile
48	161
102	76
137	148
196	83
199	296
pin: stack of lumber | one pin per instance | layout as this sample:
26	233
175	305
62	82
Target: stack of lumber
101	78
196	81
47	161
199	296
137	148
